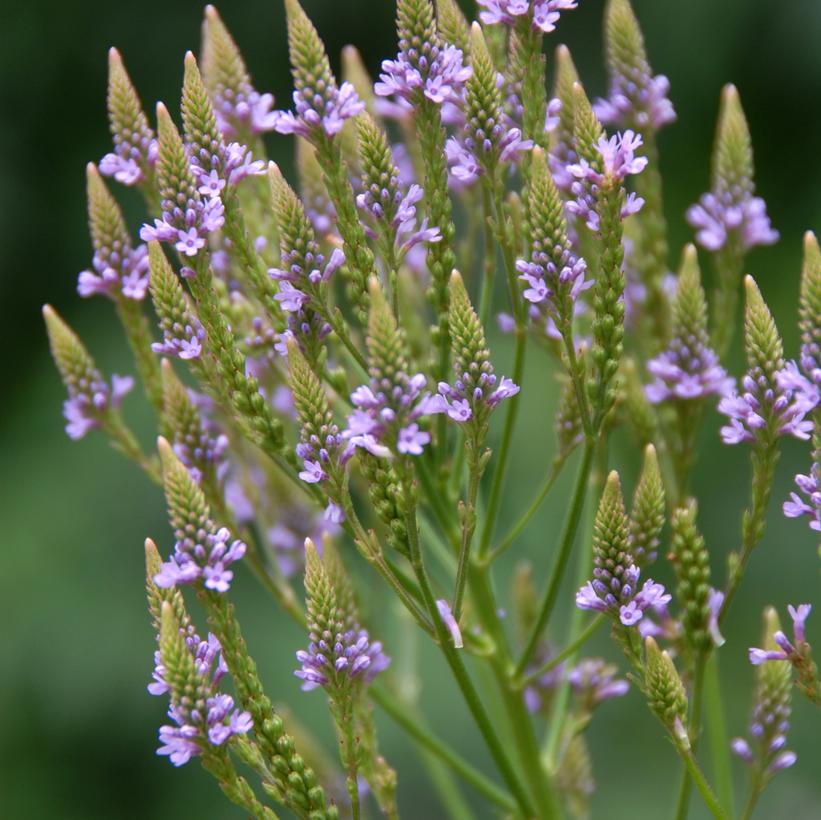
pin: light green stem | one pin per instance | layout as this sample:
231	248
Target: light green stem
571	526
419	732
716	726
694	728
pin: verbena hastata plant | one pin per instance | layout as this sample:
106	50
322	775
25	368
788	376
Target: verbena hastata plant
317	358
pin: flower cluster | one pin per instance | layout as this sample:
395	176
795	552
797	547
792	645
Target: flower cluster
782	406
542	14
203	555
119	269
618	160
135	147
809	486
786	651
350	653
732	215
387	414
204	715
188	214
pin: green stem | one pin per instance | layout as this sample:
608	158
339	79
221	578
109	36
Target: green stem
717	736
729	264
752	798
123	439
495	497
694	728
710	800
486	297
468	528
419	732
518	528
566	653
518	717
571	525
460	673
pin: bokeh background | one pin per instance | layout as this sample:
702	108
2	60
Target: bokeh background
77	729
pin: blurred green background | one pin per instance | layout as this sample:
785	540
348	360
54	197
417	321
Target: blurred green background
77	729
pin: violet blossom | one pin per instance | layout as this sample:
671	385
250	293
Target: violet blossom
118	270
91	399
205	716
543	14
787	650
350	655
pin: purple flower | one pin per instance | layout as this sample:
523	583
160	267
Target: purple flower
618	160
334	660
243	110
809	486
688	370
119	270
451	624
787	651
594	680
543	14
202	556
204	715
385	415
429	70
636	98
616	592
320	111
188	217
731	215
392	210
779	407
182	341
90	400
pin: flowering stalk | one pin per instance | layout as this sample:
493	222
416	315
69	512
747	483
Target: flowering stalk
121	274
764	412
730	220
638	100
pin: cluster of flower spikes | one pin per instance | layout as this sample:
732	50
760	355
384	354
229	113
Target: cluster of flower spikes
765	750
302	271
689	369
341	654
541	15
425	67
476	390
240	109
135	147
488	137
189	670
388	408
202	551
554	274
321	108
91	400
730	215
614	588
774	401
636	99
389	204
119	269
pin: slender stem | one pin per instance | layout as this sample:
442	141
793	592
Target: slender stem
518	717
460	673
752	798
486	297
468	528
571	525
495	497
710	800
419	732
518	528
697	699
567	652
122	439
717	735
